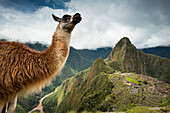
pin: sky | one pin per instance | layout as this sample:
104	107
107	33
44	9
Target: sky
104	22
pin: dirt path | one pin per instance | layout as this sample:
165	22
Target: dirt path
40	106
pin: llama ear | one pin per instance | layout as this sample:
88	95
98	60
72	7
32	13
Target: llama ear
56	18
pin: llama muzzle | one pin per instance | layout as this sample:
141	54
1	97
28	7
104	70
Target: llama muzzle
77	18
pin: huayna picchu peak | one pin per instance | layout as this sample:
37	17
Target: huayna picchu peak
124	40
117	83
126	57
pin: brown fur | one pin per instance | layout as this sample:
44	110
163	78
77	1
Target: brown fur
23	68
26	70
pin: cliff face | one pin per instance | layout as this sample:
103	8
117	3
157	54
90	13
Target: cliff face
106	87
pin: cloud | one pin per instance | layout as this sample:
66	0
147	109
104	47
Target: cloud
145	22
37	26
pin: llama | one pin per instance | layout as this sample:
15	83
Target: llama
26	70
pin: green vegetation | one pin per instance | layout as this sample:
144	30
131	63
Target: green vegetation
20	109
128	58
165	102
136	78
132	80
92	84
162	51
100	89
141	109
36	111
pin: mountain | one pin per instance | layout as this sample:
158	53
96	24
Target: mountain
82	59
78	60
163	51
113	85
126	57
100	88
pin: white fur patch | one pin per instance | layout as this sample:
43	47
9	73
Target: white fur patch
61	26
71	18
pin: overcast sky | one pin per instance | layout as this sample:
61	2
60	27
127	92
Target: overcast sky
105	22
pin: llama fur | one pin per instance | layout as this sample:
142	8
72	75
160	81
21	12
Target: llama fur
25	70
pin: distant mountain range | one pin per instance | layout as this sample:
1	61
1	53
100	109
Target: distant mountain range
112	84
163	51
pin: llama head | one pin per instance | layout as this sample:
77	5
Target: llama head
68	22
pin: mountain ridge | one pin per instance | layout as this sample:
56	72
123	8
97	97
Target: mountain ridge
104	88
162	51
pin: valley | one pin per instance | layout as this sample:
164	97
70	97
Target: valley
40	107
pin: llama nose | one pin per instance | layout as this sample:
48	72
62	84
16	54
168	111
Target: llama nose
77	15
77	18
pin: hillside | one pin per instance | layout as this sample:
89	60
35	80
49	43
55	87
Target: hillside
112	85
100	88
82	59
78	60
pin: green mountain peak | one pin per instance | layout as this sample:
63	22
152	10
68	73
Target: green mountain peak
125	56
121	48
98	66
125	40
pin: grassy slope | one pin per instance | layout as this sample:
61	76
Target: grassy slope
100	89
68	92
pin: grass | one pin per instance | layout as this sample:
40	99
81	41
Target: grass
133	76
36	111
141	109
132	80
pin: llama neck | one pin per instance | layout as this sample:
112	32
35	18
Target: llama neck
61	35
58	51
